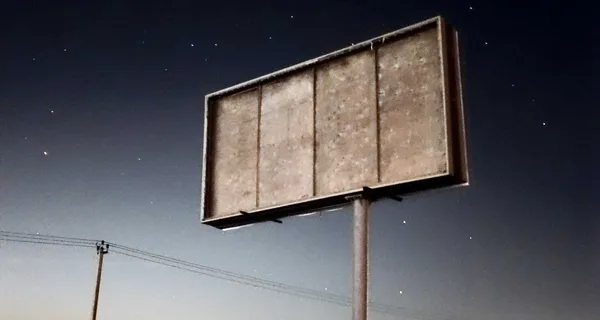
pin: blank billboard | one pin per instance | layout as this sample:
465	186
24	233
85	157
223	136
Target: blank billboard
385	114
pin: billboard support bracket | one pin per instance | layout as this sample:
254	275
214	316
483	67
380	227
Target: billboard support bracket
373	195
272	220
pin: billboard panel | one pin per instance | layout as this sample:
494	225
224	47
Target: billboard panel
385	114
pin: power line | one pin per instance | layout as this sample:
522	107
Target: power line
178	263
220	271
21	237
286	289
47	242
208	271
37	235
280	290
227	275
249	280
204	270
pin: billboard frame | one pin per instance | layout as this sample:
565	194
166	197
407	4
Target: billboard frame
457	134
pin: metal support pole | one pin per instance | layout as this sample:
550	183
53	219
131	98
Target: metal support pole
101	249
361	258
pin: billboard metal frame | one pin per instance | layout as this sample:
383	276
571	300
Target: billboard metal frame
457	138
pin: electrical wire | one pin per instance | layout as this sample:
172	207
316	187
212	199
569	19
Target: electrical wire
45	237
20	237
266	284
256	282
219	271
47	242
208	271
280	290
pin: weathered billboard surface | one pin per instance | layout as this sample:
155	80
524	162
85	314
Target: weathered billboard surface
385	114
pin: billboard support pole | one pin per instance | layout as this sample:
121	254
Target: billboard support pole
361	207
361	257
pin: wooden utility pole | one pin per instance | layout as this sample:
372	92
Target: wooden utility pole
101	250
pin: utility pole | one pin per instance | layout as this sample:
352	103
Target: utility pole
101	250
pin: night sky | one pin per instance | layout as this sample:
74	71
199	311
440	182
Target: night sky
101	106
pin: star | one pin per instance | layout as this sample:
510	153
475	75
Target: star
51	111
191	45
470	8
34	59
216	44
292	17
512	85
25	138
470	238
543	123
270	38
166	69
65	50
45	153
486	42
139	159
325	289
400	292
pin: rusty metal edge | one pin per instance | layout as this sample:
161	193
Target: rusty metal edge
455	119
444	57
202	205
460	114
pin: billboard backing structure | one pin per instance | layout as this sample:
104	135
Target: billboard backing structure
386	114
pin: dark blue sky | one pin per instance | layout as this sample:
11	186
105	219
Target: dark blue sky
113	91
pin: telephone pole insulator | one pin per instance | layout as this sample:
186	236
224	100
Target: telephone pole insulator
102	247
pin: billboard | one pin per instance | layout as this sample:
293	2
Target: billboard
385	114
